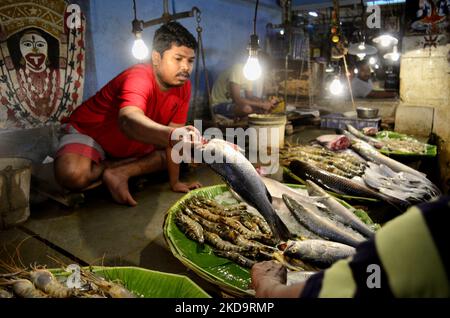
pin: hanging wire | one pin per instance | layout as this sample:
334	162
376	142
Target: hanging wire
254	19
134	8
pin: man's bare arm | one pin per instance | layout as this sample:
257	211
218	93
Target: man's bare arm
235	91
135	125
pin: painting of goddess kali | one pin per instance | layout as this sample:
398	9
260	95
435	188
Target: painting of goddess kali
41	62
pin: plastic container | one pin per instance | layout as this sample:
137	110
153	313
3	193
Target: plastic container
15	178
272	123
340	121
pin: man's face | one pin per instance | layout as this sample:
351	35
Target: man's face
364	72
174	67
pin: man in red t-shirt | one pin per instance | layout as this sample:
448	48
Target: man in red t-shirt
132	118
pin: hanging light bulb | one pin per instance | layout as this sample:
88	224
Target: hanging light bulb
372	60
139	50
336	86
361	56
362	46
252	69
355	71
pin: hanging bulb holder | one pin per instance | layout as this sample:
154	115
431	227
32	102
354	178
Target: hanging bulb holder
253	46
138	26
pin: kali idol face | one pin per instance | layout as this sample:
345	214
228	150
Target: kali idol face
34	49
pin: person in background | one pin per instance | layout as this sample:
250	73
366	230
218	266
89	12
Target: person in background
233	95
362	86
127	128
408	257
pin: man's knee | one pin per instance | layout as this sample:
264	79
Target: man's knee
71	175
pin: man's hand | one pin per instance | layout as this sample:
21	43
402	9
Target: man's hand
186	134
266	275
185	187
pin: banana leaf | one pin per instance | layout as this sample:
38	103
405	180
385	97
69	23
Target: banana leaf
430	150
148	283
222	272
288	173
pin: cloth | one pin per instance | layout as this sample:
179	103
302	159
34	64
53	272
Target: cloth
221	94
136	86
361	88
412	254
224	109
72	141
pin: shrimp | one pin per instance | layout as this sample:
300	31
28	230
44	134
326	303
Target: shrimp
220	244
112	289
5	294
23	288
236	257
46	282
191	228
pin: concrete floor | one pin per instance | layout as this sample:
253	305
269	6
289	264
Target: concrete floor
102	232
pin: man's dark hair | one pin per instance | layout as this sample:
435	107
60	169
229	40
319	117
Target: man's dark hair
175	33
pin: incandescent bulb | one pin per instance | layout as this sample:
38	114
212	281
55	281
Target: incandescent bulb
361	55
252	69
336	87
372	60
139	50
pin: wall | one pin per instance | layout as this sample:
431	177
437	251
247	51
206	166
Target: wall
425	84
227	25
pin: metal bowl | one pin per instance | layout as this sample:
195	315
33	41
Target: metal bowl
366	112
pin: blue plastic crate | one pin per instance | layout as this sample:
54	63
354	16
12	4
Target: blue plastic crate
340	121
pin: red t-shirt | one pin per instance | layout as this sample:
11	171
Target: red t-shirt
98	116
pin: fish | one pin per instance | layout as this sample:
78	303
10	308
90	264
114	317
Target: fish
372	141
401	185
277	189
346	216
243	178
294	226
319	225
318	252
342	185
296	277
334	142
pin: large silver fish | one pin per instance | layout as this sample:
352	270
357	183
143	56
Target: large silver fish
345	216
243	178
321	226
318	252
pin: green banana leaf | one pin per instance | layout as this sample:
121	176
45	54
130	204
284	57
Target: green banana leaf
430	151
222	272
148	283
287	172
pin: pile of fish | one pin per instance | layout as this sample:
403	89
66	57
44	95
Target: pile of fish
232	231
39	282
343	163
378	176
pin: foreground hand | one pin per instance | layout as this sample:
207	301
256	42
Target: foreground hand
185	187
267	274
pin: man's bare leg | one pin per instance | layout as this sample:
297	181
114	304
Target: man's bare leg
76	172
116	177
